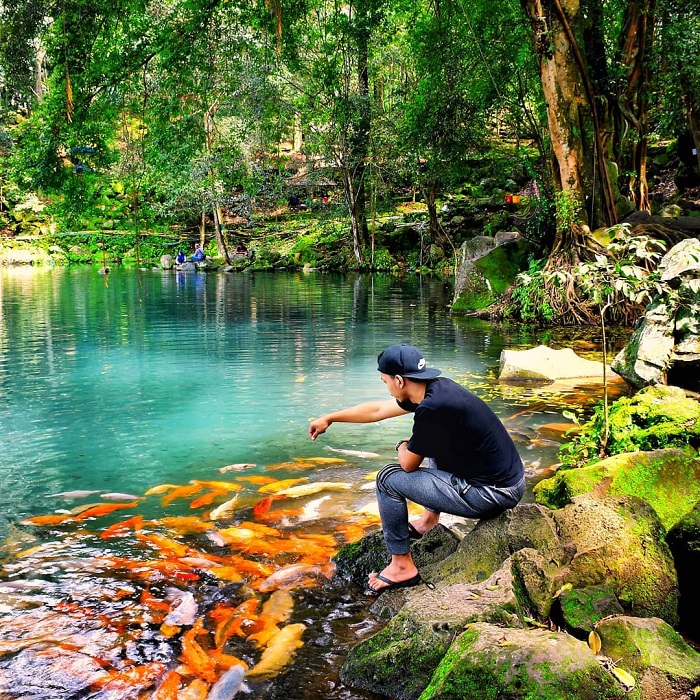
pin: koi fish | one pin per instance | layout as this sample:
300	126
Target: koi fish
206	499
315	487
182	492
185	524
237	622
122	527
352	453
164	544
183	608
258	479
230	683
167	690
120	497
220	485
196	690
235	467
288	576
161	488
104	509
71	495
48	520
226	660
281	485
223	509
262	506
279	606
137	675
322	460
195	657
279	652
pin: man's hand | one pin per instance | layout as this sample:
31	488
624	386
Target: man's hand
318	427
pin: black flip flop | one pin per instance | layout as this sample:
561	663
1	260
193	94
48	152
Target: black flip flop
413	533
408	583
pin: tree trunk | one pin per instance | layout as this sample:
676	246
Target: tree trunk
693	115
430	200
579	166
209	128
632	103
356	215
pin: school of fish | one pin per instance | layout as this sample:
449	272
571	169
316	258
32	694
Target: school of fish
184	592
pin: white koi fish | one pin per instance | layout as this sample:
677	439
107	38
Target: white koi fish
183	608
70	495
352	453
120	497
315	487
229	685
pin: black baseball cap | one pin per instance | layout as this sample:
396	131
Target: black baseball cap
406	360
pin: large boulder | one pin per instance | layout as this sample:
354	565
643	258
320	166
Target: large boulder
665	347
661	664
486	267
669	480
545	364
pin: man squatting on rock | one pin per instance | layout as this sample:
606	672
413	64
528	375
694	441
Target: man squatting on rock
474	469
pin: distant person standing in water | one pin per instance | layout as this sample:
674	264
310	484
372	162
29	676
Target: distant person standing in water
474	469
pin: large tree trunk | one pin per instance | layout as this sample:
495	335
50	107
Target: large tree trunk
431	202
580	169
693	115
356	214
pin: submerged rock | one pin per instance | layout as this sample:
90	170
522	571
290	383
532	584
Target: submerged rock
546	364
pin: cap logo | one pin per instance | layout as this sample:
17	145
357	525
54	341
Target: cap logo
421	363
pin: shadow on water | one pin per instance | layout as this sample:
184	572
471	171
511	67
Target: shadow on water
164	509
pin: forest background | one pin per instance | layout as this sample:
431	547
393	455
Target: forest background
376	135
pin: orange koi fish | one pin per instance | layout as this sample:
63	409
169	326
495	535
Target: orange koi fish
258	479
168	688
104	509
260	529
182	492
263	629
262	506
167	546
195	657
294	574
220	485
246	566
122	527
48	520
281	485
150	601
206	499
238	622
186	524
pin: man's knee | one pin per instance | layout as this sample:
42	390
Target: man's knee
384	478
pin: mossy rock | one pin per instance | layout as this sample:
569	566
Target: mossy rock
654	418
489	663
356	560
620	542
582	608
660	661
668	479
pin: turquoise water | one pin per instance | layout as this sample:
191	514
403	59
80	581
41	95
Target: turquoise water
159	376
125	382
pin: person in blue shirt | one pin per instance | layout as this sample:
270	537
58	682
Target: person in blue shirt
180	257
198	255
473	467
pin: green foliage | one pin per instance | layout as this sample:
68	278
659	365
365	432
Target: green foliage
529	301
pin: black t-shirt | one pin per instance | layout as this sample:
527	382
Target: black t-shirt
463	435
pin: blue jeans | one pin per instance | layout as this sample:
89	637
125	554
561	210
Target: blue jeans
438	491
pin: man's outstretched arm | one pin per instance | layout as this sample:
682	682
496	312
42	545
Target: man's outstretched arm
369	412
